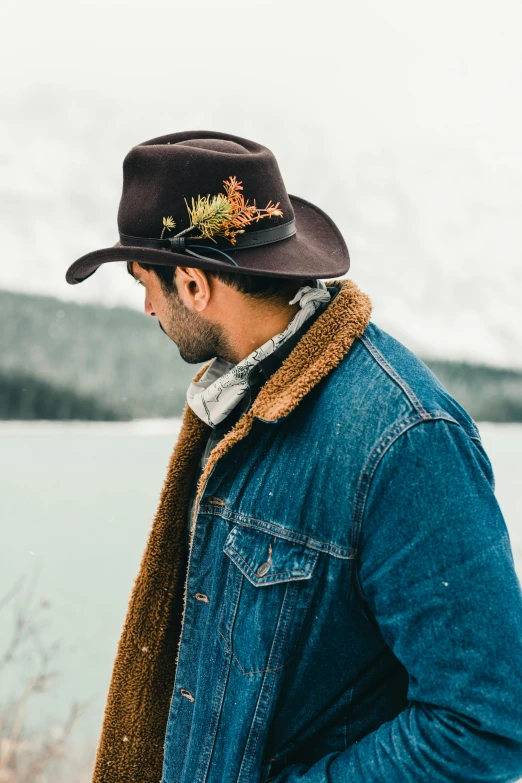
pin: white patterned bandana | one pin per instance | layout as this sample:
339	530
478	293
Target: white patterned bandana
223	384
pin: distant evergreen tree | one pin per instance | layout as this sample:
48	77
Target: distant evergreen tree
25	397
487	393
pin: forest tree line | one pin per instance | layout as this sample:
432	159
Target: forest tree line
61	360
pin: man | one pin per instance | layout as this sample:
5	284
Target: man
328	591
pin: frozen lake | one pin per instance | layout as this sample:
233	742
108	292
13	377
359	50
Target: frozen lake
76	504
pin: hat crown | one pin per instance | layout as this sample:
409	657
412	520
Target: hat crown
161	176
216	202
218	145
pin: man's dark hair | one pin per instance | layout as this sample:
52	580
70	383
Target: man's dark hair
261	287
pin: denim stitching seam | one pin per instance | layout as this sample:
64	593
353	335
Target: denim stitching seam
271	577
288	535
370	467
263	710
392	372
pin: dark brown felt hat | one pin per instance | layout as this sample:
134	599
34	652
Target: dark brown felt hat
275	234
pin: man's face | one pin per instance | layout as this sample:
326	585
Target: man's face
197	338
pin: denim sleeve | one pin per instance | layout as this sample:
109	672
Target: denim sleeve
436	568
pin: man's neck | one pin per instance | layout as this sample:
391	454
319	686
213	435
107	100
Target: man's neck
253	327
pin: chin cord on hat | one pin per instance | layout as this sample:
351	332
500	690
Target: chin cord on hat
178	245
223	384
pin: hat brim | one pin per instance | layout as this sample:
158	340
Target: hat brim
316	250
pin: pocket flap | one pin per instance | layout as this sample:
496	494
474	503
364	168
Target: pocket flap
265	558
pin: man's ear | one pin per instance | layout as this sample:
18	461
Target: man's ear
194	287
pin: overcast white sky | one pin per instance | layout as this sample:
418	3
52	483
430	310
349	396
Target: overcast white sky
426	94
447	70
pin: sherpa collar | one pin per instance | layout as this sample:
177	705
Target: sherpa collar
131	743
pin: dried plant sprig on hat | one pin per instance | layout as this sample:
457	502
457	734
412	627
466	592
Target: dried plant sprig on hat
227	214
168	223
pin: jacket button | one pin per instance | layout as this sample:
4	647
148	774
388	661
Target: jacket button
215	501
202	597
263	568
187	694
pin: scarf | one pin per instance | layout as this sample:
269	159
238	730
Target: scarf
223	384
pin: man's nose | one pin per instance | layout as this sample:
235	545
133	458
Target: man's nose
149	310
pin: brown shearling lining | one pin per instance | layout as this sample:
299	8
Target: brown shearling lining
130	749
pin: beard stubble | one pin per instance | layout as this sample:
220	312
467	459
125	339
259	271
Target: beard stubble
197	339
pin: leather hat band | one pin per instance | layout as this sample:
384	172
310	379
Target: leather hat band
183	244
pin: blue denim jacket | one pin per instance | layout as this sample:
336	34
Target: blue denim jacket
352	610
257	377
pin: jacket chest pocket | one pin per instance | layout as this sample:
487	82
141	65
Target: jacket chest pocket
268	590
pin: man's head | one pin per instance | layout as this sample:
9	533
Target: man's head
210	314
